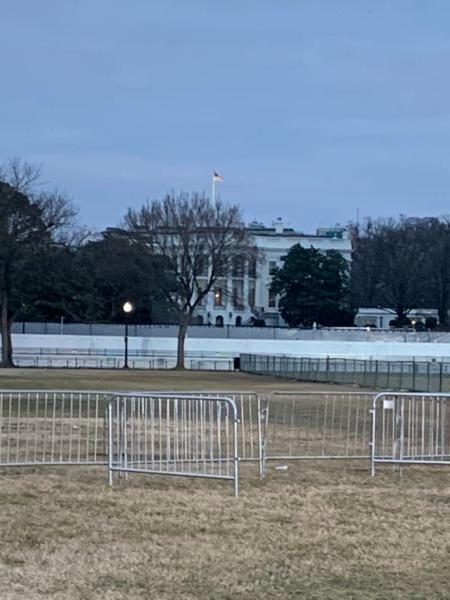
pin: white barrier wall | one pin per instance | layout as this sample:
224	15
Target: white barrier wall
234	347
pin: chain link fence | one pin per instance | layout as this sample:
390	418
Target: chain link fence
421	376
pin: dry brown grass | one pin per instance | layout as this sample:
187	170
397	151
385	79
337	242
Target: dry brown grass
84	379
317	530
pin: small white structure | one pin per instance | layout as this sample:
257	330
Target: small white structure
381	317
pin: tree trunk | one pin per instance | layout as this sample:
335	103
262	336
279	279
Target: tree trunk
401	314
182	330
443	315
5	326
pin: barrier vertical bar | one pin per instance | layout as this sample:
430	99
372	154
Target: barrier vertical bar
236	457
372	441
110	444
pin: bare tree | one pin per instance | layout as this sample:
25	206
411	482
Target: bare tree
388	267
435	239
366	265
28	221
21	175
58	214
57	209
193	244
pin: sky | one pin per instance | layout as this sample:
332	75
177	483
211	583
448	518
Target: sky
312	110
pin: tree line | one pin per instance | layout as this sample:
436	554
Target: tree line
164	258
402	264
396	264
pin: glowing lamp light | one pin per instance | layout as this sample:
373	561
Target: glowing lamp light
127	307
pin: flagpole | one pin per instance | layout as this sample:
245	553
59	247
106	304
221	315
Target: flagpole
213	193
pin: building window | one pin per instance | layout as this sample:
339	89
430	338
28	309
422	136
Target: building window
251	293
272	267
219	321
201	286
272	299
238	293
218	297
203	265
238	321
220	267
219	294
252	268
238	266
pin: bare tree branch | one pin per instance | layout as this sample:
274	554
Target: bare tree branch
58	213
20	174
198	242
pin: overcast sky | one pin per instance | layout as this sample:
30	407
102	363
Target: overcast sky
310	109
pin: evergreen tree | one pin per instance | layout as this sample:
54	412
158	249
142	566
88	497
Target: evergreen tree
314	288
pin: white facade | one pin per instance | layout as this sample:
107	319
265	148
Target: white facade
245	292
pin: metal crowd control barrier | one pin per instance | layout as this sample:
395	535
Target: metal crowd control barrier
410	428
251	420
51	427
174	434
317	425
58	427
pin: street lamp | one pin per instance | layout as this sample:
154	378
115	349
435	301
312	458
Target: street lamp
127	309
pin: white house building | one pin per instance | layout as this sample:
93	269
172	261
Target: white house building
245	293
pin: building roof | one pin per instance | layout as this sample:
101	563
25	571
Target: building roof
279	230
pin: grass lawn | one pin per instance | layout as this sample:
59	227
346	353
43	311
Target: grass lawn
140	379
318	530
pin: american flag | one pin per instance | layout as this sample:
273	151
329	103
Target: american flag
217	176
